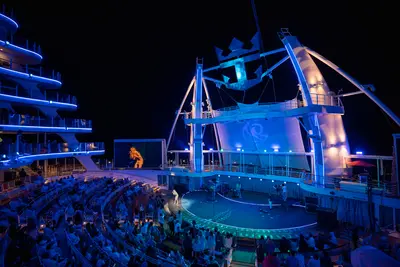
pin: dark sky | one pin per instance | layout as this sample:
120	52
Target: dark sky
129	62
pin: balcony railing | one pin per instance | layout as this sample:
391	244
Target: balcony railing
383	188
204	115
14	151
9	12
24	68
48	96
25	44
317	99
326	100
26	120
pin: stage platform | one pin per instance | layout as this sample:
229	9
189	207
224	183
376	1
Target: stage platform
258	198
243	217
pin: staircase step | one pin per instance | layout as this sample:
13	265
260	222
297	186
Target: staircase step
240	264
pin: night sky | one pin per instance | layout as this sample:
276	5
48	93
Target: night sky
129	62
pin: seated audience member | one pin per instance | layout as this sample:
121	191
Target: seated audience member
271	260
314	261
326	260
291	260
260	255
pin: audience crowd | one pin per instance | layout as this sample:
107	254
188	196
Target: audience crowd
120	222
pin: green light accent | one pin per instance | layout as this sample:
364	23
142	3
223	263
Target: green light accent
243	232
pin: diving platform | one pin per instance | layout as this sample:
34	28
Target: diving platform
291	108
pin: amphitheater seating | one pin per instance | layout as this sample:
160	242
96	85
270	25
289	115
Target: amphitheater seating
99	221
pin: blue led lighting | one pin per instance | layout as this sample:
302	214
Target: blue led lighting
9	19
61	154
359	152
37	100
30	76
64	154
44	127
7	44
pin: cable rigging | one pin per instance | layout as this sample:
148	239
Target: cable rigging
253	5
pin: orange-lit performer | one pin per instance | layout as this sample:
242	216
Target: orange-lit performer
135	155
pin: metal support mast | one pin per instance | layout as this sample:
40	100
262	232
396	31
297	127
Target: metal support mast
196	134
178	113
292	44
214	125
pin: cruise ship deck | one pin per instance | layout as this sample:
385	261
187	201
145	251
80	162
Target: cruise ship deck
238	183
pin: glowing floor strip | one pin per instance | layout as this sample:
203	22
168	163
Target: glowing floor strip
248	203
256	232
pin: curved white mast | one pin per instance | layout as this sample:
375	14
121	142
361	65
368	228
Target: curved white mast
363	89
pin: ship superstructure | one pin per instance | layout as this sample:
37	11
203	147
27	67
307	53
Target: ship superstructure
31	128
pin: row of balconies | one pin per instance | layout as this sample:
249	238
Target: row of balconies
25	68
52	96
33	47
21	149
8	14
27	120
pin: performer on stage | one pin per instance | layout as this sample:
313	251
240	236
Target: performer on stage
270	206
212	188
176	201
238	190
284	192
136	159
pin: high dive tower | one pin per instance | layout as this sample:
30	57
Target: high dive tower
32	130
268	136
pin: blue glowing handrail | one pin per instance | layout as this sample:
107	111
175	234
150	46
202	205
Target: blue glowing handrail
388	188
13	46
11	93
30	72
9	19
27	121
27	151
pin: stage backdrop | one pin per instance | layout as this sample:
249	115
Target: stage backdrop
139	153
258	135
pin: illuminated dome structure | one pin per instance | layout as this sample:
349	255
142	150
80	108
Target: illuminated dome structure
32	130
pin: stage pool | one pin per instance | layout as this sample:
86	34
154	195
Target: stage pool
246	219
